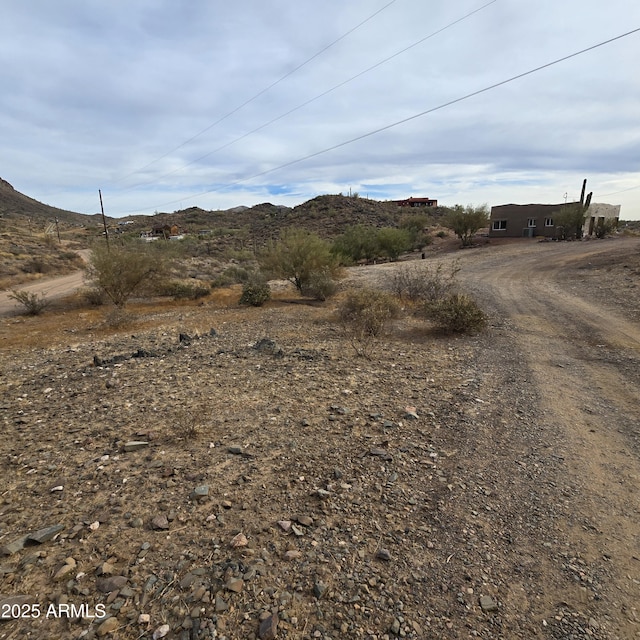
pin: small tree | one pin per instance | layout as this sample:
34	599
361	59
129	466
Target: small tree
393	242
569	221
358	242
298	256
123	270
466	221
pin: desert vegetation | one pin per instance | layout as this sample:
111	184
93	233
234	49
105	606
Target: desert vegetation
306	458
466	221
32	303
122	270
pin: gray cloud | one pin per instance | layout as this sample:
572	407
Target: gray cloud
106	95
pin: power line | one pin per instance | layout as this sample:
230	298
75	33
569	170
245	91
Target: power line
320	95
261	92
413	117
614	193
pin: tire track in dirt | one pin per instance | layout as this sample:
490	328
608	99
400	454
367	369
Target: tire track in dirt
585	364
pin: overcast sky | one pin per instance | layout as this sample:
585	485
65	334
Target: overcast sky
167	104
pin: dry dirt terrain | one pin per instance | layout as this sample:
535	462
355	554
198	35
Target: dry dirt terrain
212	471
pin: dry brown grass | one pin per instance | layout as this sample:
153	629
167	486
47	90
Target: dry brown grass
72	318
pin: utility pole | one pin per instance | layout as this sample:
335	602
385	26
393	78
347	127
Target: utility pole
104	222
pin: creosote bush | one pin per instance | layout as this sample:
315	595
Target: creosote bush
255	292
365	314
33	303
456	313
180	290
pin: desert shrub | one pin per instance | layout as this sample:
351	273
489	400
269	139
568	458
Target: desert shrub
118	317
255	292
414	222
50	240
393	242
465	222
232	275
33	303
70	256
605	227
320	285
297	256
365	314
189	422
36	265
179	290
94	296
456	313
569	221
441	234
124	270
426	283
416	225
358	242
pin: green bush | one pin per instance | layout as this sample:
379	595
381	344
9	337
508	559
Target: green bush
456	313
297	256
365	314
465	222
122	271
358	242
186	290
255	292
605	227
393	242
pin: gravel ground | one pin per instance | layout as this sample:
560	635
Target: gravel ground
217	472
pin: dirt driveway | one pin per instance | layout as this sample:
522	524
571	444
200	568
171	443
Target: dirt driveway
581	358
561	369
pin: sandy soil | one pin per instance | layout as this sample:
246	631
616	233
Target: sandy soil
475	487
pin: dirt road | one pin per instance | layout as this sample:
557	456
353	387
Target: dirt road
581	359
51	288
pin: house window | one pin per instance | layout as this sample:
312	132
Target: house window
531	223
548	222
499	225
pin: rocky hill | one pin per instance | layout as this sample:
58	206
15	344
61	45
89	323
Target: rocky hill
15	206
328	215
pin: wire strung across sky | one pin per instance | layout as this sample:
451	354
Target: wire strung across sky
256	96
307	102
408	119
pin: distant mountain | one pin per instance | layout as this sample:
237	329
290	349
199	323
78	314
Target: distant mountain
14	204
328	215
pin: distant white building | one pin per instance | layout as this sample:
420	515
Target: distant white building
598	213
